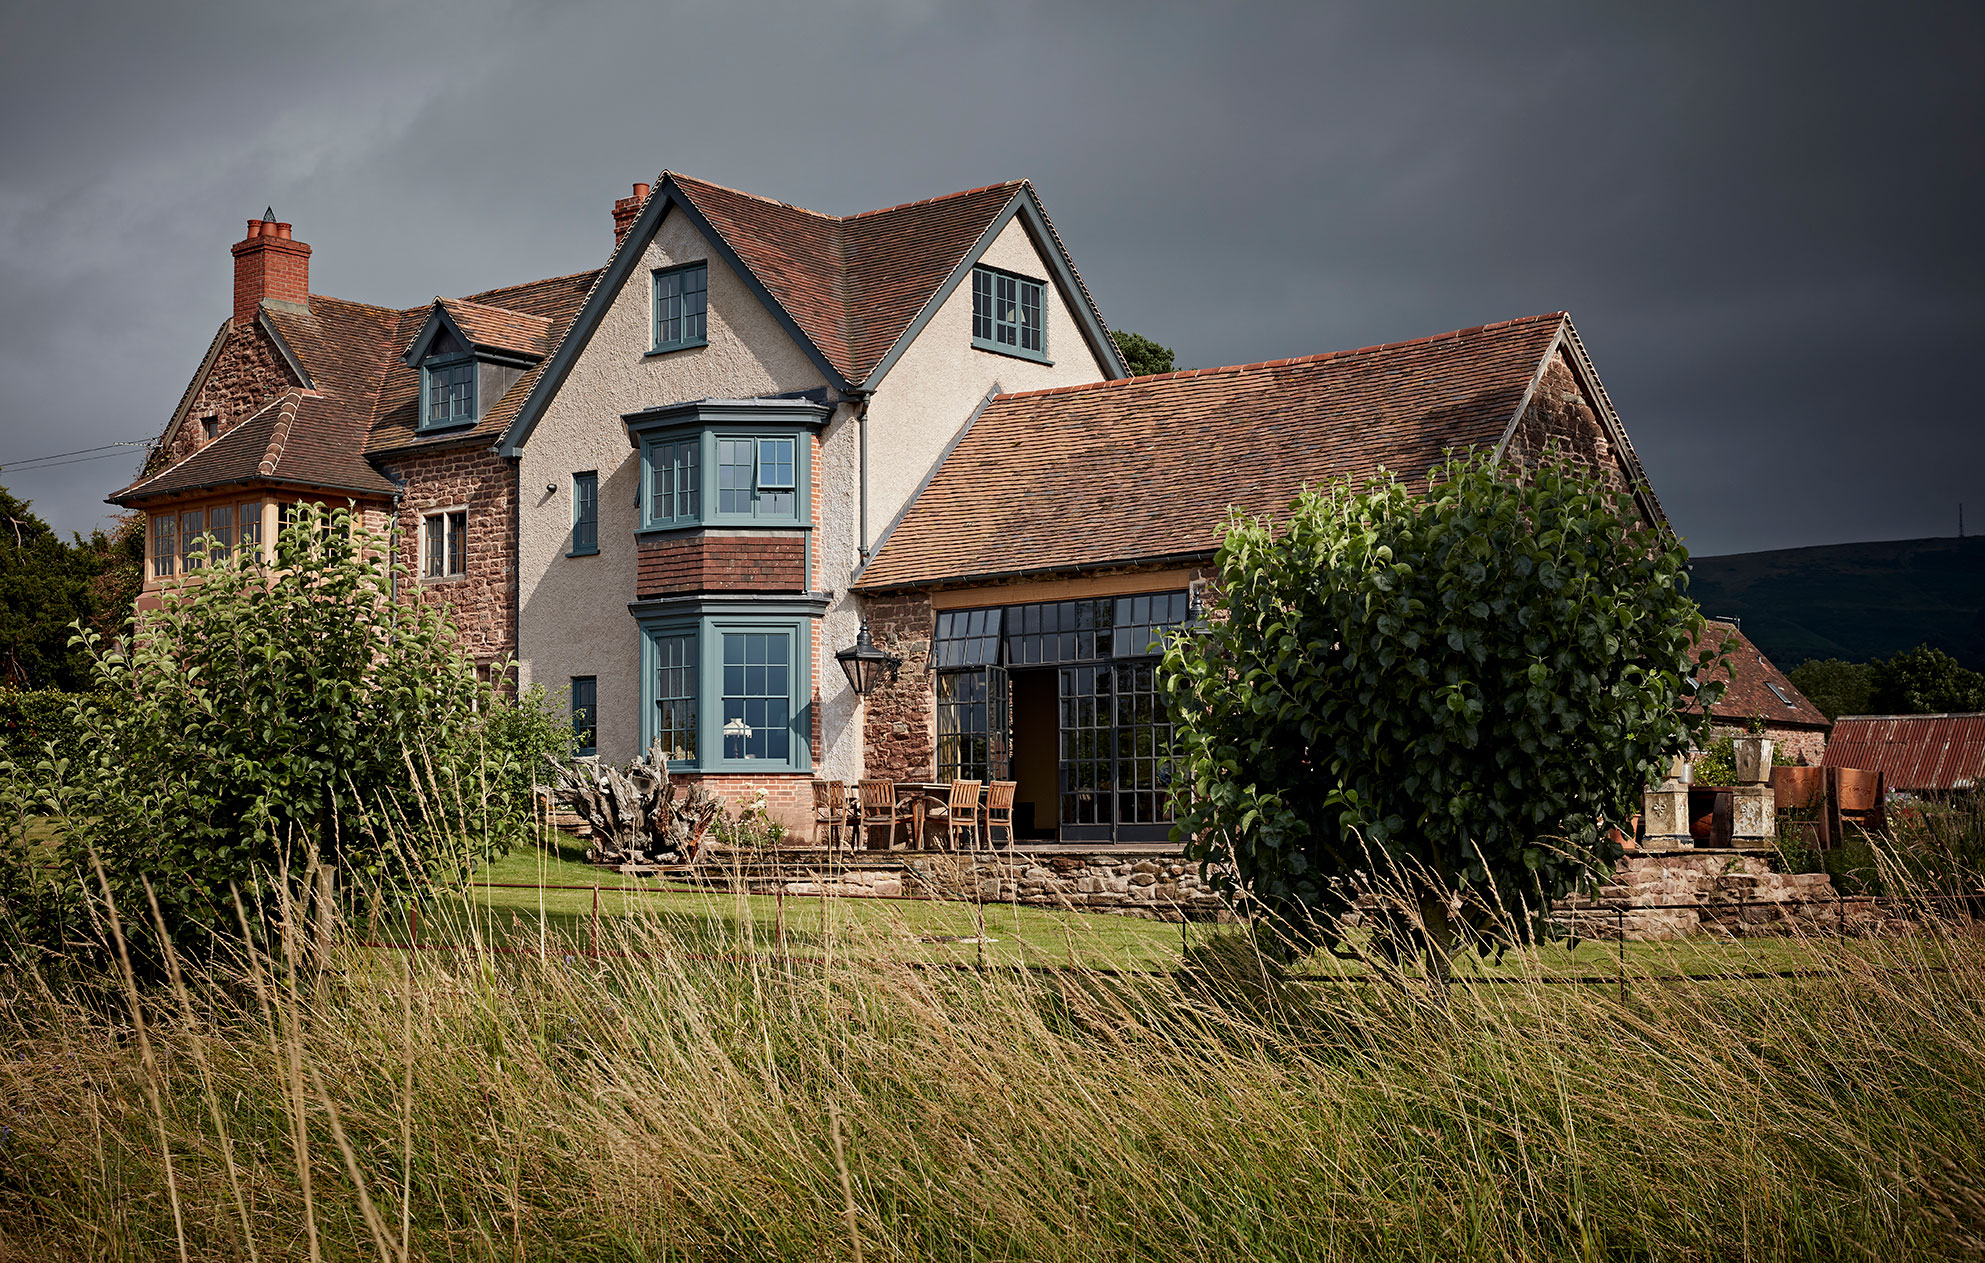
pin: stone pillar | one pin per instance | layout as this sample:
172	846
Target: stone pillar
1665	810
1753	806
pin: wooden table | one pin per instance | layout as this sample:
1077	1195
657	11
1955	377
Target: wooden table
922	794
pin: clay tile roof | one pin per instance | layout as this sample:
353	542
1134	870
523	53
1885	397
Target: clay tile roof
1143	468
1912	752
500	328
1753	685
853	284
550	304
300	438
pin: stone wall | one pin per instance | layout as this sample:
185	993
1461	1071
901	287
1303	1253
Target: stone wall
483	600
899	721
1560	412
1158	885
246	375
1647	896
1804	746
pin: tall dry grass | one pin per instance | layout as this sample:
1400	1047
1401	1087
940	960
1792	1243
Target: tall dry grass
665	1104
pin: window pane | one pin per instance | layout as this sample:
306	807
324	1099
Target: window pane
433	546
675	695
982	304
220	525
736	462
585	513
585	713
1030	316
191	526
694	303
165	544
251	525
757	695
458	541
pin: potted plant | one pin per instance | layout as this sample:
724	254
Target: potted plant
1752	753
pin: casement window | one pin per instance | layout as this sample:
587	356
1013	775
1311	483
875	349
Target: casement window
192	525
444	544
1009	314
681	306
729	693
585	713
448	392
210	429
675	478
673	668
165	545
249	518
585	513
752	479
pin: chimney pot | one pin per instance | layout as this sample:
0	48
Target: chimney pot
254	228
640	192
626	210
282	231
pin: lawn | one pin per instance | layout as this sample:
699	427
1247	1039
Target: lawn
545	898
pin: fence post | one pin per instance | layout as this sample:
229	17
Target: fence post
1620	937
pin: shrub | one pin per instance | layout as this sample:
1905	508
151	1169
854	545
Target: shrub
265	724
1459	687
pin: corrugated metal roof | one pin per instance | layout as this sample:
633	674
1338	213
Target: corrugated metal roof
1912	752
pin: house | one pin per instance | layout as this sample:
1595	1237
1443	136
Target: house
1028	618
1754	689
671	488
650	483
1917	754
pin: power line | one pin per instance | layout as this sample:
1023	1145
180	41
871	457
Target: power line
54	459
34	469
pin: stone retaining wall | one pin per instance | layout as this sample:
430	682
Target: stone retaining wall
1646	898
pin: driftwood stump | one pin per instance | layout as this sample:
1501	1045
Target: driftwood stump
636	813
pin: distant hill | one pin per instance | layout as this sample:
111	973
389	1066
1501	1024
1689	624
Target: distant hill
1853	601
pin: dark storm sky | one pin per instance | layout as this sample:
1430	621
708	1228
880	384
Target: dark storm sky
1765	219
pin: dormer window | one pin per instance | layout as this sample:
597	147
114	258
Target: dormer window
448	392
210	429
1009	314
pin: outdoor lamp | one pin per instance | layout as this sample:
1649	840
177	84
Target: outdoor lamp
865	663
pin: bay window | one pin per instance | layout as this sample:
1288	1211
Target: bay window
729	689
727	462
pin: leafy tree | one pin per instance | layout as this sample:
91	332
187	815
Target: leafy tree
40	595
1926	681
270	723
1451	692
1836	687
1143	356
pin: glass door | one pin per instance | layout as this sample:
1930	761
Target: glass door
1116	754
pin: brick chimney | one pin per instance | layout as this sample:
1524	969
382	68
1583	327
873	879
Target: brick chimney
269	264
626	210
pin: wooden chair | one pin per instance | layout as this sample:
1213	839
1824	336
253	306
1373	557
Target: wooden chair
830	811
878	809
999	809
960	811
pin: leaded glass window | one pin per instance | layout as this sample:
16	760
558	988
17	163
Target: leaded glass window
757	694
681	306
675	696
1009	313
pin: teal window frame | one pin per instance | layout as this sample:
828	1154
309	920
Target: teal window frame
448	363
585	694
692	327
992	290
709	630
585	514
779	507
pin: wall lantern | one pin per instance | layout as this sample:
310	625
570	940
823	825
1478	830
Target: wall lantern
865	663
